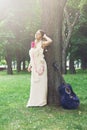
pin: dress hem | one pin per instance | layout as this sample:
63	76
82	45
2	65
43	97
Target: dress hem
36	105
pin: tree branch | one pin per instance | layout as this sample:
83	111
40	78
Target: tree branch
70	27
67	17
75	20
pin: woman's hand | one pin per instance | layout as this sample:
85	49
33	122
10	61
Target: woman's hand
44	36
47	42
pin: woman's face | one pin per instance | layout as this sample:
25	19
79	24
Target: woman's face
38	35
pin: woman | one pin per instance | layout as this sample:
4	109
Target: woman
38	90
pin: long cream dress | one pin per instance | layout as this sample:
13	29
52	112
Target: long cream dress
38	89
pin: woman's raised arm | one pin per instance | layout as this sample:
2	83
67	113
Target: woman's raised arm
47	42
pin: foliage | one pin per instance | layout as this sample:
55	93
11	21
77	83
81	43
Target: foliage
78	47
18	27
2	62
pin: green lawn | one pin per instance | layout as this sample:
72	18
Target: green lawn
14	92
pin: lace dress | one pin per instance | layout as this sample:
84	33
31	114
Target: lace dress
38	89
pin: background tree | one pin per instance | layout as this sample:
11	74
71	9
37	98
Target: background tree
71	15
78	47
18	28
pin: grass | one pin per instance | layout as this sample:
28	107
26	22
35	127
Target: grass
14	92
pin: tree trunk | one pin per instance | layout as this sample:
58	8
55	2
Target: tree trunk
52	17
64	69
84	63
24	64
67	35
9	64
19	59
18	65
71	65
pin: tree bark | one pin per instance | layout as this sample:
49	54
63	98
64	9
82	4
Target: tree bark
18	65
24	64
9	64
52	17
8	57
19	59
71	65
64	69
66	36
84	63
